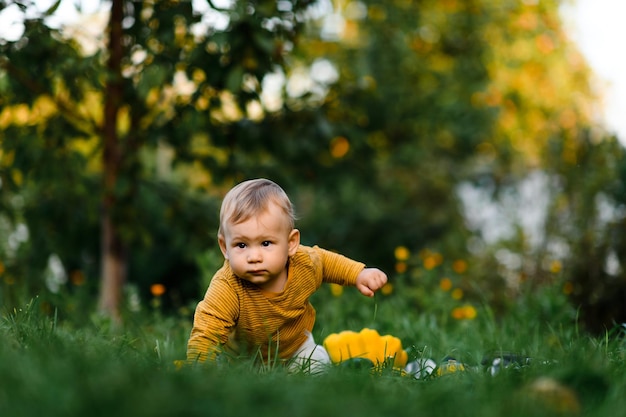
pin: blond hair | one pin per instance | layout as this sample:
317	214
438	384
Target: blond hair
252	197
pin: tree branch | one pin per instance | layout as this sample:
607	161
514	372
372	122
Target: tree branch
219	9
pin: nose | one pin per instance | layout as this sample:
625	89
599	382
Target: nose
254	255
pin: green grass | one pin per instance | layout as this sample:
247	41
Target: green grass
54	367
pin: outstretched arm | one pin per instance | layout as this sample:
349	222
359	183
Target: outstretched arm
213	321
370	280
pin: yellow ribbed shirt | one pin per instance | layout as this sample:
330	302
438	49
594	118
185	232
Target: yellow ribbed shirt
266	321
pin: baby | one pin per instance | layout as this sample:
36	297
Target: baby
259	299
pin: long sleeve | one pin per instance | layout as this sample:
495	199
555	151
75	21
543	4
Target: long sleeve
336	268
215	317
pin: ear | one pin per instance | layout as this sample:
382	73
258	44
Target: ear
221	240
294	241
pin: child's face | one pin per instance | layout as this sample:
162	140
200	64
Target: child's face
259	247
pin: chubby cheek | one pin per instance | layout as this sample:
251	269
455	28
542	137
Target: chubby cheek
234	259
237	266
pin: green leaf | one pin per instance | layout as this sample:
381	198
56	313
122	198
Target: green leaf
153	76
234	79
52	8
265	42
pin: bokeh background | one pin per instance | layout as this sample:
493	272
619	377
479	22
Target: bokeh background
458	145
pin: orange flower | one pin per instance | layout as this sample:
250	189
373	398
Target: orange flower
157	290
568	288
401	267
445	284
433	260
77	277
339	147
459	266
457	313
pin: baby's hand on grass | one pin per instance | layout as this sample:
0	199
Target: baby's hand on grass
370	280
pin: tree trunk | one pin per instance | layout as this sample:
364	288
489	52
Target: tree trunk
113	270
113	267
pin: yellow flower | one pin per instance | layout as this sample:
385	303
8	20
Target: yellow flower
445	284
469	312
457	293
336	290
402	253
157	290
555	267
466	312
18	177
387	289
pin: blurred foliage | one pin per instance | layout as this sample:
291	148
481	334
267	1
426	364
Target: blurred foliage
386	115
183	83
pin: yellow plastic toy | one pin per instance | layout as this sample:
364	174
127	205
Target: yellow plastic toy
449	366
366	344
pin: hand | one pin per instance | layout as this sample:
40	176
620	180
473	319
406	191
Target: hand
370	280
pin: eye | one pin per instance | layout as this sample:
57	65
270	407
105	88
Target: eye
240	245
266	243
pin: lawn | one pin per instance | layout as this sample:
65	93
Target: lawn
52	366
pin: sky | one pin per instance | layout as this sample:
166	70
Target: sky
599	29
597	26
